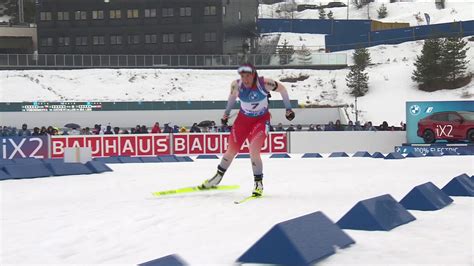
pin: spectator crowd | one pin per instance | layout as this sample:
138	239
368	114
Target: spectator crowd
195	128
337	126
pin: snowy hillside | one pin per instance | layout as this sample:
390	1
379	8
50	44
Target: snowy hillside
314	42
405	11
389	83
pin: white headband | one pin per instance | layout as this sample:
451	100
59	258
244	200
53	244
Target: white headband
245	69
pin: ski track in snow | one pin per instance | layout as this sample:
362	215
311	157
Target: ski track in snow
112	218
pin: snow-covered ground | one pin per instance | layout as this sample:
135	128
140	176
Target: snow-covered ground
314	42
390	84
390	81
406	11
111	218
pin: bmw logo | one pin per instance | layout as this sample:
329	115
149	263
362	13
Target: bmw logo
253	95
415	109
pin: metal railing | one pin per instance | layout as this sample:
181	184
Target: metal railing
169	61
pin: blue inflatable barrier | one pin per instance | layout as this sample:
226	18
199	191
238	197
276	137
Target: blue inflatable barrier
312	155
300	241
426	197
168	158
6	162
362	154
207	156
414	154
280	156
126	159
450	153
394	156
460	186
19	171
98	167
465	152
378	155
61	169
53	161
381	213
4	175
242	156
434	154
28	161
170	260
184	159
108	160
150	159
338	155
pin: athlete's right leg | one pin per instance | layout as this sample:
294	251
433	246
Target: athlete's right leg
240	131
222	167
237	137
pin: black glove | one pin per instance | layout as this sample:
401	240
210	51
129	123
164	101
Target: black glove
290	115
225	120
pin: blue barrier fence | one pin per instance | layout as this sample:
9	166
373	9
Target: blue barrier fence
351	34
314	26
335	42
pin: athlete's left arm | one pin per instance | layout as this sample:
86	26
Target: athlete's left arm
272	85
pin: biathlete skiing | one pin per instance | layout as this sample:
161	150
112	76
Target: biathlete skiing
252	122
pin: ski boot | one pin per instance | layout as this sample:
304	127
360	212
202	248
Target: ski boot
214	181
258	189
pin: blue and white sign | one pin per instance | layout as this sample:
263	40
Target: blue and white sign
443	148
24	147
415	111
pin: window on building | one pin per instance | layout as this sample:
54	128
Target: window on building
168	38
240	16
224	10
186	37
46	42
115	14
210	36
185	11
167	12
116	40
133	39
210	11
46	16
81	40
98	14
150	38
80	15
63	41
132	13
150	13
98	40
63	15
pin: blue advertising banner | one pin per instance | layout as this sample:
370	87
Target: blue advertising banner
443	148
24	147
439	121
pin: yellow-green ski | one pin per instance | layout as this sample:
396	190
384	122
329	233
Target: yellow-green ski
249	198
186	190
